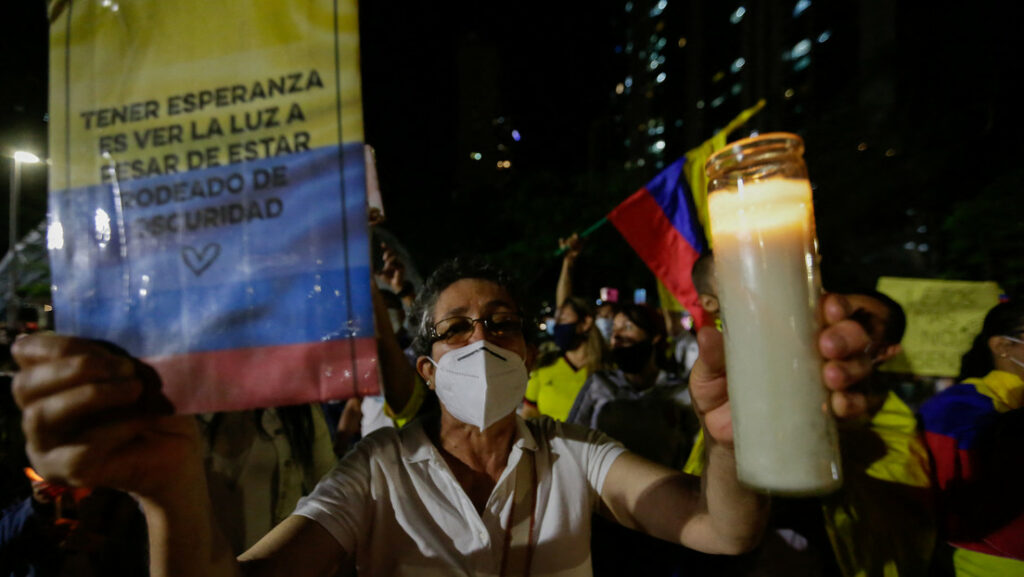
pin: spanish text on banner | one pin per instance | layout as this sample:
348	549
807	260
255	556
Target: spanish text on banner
207	195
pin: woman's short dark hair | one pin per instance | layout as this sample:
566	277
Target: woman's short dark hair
1005	319
448	274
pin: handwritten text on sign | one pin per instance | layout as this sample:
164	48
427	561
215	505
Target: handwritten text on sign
943	318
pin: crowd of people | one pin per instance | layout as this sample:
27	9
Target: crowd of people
601	446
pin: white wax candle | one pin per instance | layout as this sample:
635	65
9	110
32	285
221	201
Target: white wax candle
768	287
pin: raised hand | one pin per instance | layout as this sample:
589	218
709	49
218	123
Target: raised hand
393	269
572	246
843	344
93	416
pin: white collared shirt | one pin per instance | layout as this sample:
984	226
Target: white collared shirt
395	503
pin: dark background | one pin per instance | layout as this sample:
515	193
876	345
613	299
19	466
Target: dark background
910	117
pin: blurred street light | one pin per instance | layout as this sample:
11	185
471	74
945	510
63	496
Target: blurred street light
20	157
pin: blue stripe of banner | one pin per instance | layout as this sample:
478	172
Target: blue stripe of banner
278	278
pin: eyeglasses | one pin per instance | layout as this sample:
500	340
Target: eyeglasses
457	330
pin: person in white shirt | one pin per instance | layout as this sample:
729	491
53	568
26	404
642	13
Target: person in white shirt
473	491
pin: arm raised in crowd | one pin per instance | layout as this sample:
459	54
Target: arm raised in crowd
715	513
572	246
397	373
86	423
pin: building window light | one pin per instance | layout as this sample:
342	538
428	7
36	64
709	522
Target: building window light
800	49
738	64
661	78
824	36
801	5
737	15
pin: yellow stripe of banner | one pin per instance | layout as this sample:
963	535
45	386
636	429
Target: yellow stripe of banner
174	86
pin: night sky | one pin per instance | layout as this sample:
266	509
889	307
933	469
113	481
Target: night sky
545	66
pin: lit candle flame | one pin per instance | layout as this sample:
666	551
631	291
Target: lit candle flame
32	475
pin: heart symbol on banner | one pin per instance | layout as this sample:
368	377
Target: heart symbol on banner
200	261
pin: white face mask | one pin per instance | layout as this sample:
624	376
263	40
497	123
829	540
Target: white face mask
1012	359
604	326
480	383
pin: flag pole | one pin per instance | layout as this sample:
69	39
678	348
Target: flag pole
584	234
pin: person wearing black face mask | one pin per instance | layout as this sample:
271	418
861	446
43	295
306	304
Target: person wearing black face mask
638	403
648	410
558	378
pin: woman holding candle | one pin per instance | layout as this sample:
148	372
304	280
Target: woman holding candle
475	490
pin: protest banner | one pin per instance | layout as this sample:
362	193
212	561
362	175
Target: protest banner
943	317
207	195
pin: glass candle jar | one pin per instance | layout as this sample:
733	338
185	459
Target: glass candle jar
767	281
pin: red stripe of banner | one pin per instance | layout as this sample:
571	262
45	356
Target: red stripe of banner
643	224
257	377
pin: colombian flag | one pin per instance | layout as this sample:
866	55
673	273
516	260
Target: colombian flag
660	222
666	221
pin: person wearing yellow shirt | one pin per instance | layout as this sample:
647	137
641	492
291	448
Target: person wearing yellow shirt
553	386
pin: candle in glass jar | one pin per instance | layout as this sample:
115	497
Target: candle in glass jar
768	287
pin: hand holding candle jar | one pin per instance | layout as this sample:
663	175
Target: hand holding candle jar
762	229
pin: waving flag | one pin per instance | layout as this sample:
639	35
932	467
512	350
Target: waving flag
666	221
660	222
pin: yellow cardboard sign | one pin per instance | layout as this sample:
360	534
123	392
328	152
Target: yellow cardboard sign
943	317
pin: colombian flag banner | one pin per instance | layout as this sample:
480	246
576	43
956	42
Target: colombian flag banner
207	195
